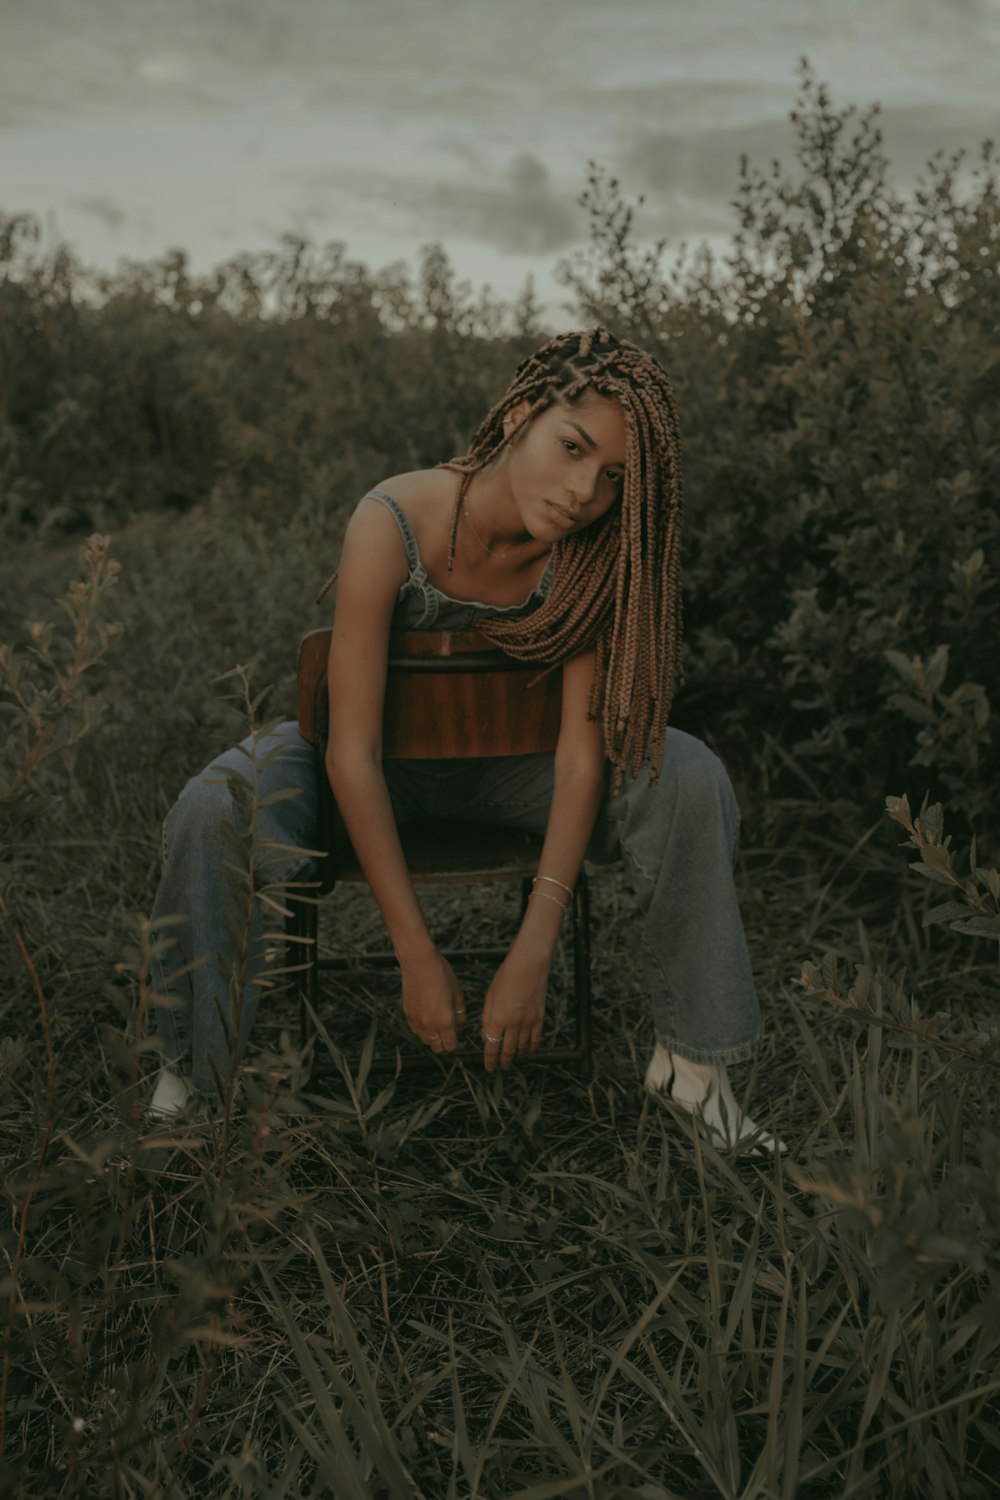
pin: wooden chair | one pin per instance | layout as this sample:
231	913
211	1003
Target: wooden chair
448	694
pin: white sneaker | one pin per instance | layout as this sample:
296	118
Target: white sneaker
171	1095
706	1093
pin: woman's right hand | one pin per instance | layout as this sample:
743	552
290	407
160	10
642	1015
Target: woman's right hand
433	1002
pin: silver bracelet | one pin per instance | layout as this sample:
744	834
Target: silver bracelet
553	881
562	905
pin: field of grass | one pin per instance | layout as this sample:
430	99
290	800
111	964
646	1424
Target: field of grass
461	1286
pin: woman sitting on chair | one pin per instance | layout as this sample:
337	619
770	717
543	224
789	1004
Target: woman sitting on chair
557	536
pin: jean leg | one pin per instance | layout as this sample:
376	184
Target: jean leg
212	962
678	837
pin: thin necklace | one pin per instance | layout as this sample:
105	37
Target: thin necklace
491	550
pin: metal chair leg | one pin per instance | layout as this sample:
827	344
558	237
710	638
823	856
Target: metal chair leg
581	977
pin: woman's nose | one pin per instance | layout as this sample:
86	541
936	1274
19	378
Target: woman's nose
582	486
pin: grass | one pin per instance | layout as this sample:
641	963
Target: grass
518	1286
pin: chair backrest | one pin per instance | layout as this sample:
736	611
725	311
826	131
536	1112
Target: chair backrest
448	694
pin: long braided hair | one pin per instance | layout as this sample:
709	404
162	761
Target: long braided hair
616	584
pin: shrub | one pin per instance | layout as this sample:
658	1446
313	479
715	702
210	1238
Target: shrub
838	378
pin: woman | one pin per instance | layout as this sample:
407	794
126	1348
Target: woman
558	537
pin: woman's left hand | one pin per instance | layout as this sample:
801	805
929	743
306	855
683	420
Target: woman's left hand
514	1009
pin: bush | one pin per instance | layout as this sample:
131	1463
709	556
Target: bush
838	378
291	378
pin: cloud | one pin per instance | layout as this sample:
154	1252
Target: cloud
521	211
690	178
164	67
503	66
61	59
914	134
104	210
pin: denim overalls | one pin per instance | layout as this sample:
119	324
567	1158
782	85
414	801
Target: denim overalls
677	837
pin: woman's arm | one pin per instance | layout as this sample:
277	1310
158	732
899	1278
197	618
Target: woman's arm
515	1003
372	570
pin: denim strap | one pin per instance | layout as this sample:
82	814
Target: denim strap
406	531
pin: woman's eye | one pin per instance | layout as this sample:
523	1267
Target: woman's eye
570	446
615	476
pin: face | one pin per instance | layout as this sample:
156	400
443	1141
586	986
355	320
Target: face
567	469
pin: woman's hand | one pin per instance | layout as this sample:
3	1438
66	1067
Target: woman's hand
514	1008
433	1002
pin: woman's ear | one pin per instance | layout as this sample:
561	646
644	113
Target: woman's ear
515	417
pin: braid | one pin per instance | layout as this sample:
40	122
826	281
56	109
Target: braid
616	584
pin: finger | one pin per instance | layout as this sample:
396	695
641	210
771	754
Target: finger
492	1046
534	1037
449	1038
444	1039
510	1041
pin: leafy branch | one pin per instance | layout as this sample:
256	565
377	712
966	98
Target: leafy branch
40	703
980	893
877	1000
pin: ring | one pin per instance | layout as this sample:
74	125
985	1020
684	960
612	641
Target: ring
494	1039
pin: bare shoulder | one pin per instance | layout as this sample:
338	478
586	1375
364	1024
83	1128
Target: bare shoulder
421	489
374	540
413	492
373	532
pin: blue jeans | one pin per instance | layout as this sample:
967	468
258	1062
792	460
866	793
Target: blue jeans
677	837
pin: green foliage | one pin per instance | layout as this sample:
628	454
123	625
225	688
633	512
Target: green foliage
292	375
46	711
978	912
44	706
839	380
836	371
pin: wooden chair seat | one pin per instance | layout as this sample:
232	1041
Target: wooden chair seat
448	694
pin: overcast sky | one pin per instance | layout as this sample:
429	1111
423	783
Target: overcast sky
217	125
